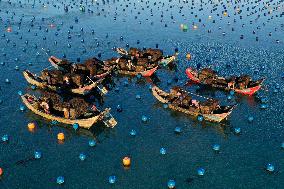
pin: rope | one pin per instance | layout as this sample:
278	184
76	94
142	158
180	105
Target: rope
197	95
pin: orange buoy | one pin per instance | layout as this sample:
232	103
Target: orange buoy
31	126
1	171
9	29
188	56
126	161
60	136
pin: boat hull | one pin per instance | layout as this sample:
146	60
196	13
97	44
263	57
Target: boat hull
84	123
248	91
81	91
147	73
208	117
54	62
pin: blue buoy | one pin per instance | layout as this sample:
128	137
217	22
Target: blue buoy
7	81
125	83
82	156
177	130
138	96
5	138
60	180
118	108
22	108
144	118
264	100
132	132
75	126
200	171
200	118
54	122
33	87
275	91
37	155
150	87
229	97
165	106
112	179
263	106
282	145
20	93
171	184
163	151
216	147
270	167
92	143
237	130
250	118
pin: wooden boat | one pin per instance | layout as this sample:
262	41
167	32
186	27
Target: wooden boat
55	62
37	81
164	61
252	88
30	101
147	73
217	116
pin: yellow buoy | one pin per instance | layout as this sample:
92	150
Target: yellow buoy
188	56
31	125
126	161
60	136
225	14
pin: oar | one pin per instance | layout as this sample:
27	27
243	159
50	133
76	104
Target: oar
103	90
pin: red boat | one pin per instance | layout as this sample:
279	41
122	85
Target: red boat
252	87
147	73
